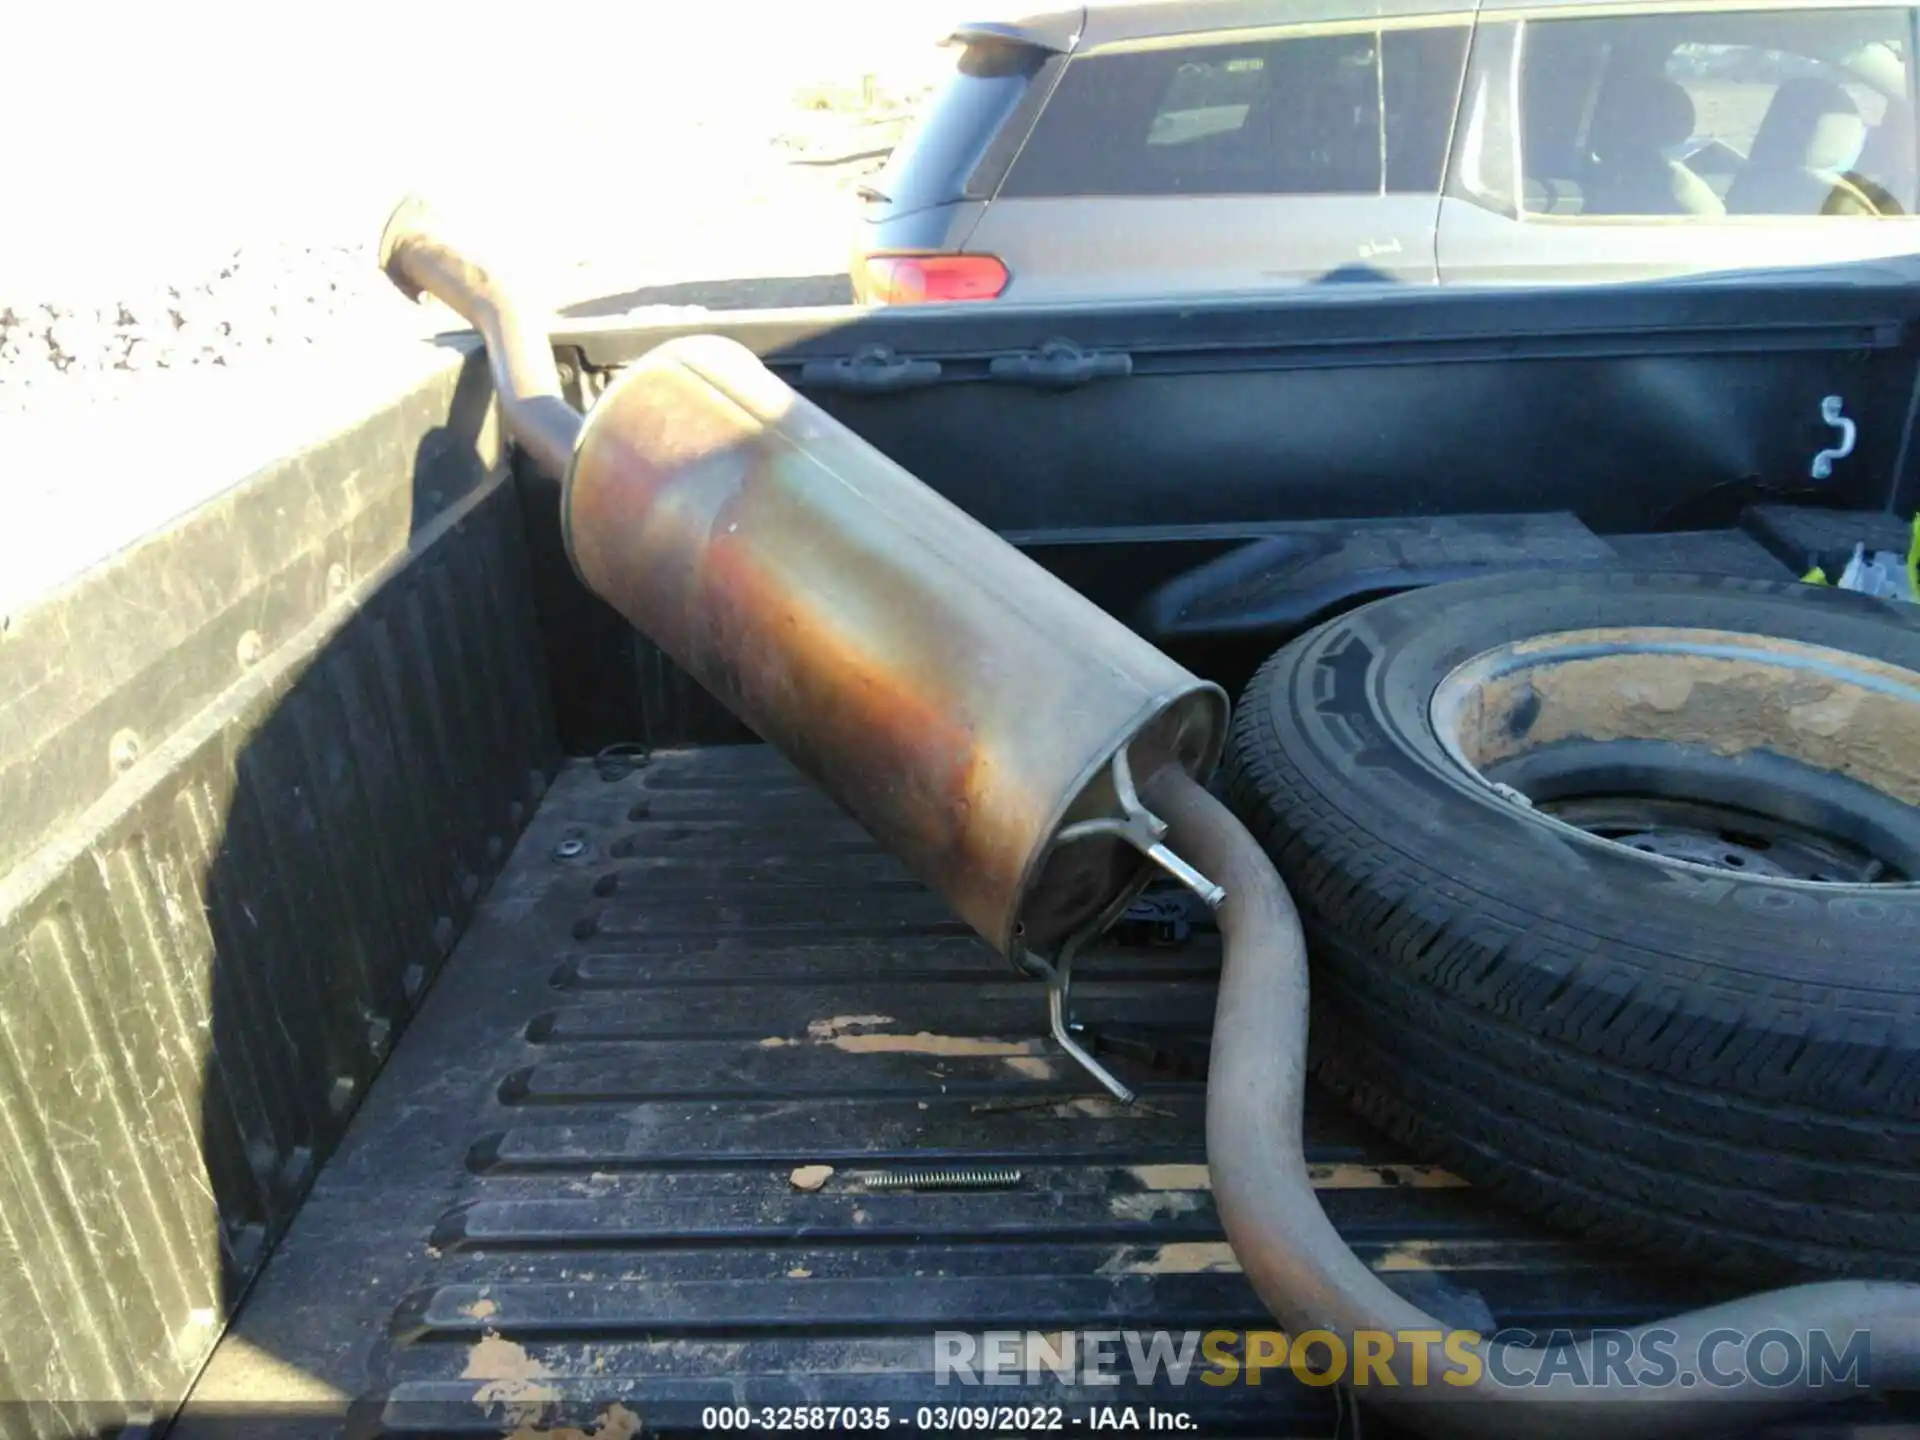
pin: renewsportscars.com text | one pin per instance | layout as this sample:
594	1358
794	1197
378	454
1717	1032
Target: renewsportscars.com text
1625	1359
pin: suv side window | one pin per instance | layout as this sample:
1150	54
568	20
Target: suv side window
1700	116
1360	113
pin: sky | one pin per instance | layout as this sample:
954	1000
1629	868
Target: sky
145	143
138	138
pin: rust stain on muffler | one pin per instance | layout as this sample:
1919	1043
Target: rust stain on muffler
954	697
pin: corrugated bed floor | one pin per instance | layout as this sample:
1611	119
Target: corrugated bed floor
575	1184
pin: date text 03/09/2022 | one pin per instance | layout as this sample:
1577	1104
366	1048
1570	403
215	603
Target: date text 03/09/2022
946	1419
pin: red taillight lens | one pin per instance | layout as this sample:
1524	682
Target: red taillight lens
924	279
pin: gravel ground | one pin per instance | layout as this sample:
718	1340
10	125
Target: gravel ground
778	207
194	293
251	300
738	187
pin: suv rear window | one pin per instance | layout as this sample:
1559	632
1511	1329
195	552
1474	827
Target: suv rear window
1297	116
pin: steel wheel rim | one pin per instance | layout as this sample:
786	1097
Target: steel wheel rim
1710	750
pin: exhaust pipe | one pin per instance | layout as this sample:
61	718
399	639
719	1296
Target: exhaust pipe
1306	1275
418	258
985	723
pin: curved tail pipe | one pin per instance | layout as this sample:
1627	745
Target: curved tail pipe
532	404
1306	1275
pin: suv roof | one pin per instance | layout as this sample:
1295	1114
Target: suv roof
1111	22
1115	22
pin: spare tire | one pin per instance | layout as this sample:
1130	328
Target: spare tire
1609	882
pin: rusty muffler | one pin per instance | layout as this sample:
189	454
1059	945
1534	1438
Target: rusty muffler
985	723
963	704
980	718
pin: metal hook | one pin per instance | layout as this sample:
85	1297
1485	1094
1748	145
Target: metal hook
1832	410
1059	978
1142	829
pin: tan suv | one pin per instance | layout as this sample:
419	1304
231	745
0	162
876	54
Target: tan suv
1149	149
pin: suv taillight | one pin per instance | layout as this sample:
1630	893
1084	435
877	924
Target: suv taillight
924	279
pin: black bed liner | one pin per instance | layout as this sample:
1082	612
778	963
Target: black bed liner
573	1185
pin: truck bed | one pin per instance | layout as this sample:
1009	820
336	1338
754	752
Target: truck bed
576	1184
275	926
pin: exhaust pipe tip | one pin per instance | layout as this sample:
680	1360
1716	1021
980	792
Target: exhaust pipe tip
421	259
411	218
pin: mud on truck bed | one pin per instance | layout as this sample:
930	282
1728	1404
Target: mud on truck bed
416	979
